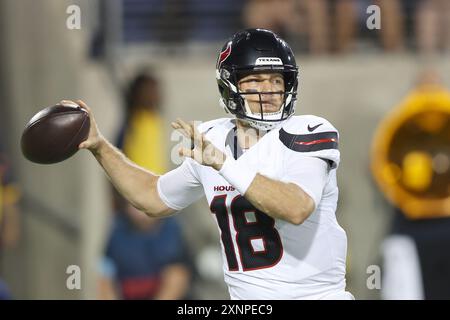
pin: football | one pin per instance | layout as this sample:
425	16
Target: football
54	133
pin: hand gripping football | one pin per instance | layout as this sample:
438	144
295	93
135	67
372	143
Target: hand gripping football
54	133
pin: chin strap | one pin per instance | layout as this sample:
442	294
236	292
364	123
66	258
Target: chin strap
262	124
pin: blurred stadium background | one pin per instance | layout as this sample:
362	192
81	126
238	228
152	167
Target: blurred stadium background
349	74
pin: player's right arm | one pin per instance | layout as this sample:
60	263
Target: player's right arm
136	184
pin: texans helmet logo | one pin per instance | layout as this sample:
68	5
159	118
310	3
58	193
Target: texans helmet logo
224	55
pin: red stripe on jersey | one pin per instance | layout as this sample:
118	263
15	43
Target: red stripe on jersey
315	141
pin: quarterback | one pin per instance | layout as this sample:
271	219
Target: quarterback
269	177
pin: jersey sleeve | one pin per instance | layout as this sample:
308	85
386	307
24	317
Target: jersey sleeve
312	137
311	151
180	187
309	173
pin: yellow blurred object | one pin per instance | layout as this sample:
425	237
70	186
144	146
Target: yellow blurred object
144	141
410	153
417	171
431	122
391	173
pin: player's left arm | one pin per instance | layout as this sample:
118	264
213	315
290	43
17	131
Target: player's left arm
281	200
308	157
292	198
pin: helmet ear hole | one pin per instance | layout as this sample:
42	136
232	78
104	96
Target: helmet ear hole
232	105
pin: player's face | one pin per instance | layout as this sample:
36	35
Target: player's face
263	82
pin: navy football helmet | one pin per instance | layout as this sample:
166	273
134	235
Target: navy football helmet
256	51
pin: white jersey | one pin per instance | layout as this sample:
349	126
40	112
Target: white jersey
266	258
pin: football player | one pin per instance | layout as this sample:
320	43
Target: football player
269	177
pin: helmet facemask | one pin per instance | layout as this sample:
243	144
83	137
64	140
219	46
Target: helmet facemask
237	102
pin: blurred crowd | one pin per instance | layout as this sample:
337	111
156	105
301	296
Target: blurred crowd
313	26
144	258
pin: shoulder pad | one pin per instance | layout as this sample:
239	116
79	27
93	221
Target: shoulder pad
313	136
